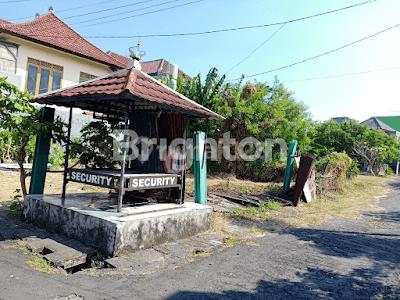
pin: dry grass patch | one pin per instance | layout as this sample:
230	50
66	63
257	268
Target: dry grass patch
219	221
9	182
252	244
360	194
225	181
17	244
42	265
231	242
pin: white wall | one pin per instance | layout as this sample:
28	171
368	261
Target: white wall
72	64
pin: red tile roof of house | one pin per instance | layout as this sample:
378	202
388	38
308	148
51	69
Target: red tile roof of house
50	31
149	67
122	59
4	22
126	83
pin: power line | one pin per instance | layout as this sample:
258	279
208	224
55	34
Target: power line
255	49
151	12
100	11
126	12
314	57
60	11
15	1
230	29
341	75
73	8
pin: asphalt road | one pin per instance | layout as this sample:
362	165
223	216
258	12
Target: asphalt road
341	259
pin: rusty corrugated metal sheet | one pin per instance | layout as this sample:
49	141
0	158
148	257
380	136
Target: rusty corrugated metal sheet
306	164
144	125
170	126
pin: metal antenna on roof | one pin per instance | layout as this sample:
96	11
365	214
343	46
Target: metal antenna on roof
137	56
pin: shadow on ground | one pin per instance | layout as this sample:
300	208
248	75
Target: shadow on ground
364	269
356	265
335	286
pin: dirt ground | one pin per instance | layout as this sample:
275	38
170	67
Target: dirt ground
9	183
359	194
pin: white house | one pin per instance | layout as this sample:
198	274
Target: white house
45	54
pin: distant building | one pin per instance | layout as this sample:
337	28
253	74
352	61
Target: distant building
340	119
159	68
390	125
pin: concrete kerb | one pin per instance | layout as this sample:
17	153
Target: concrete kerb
67	253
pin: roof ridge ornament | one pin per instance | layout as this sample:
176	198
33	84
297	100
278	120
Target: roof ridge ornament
137	56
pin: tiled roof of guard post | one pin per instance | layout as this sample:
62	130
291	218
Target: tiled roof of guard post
50	31
138	84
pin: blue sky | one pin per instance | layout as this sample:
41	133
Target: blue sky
357	96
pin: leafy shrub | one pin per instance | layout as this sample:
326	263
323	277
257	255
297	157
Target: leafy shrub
334	168
353	170
56	156
17	202
267	171
390	171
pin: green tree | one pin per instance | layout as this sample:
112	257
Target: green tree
345	136
6	146
195	91
339	137
202	94
291	119
21	119
388	145
259	111
95	147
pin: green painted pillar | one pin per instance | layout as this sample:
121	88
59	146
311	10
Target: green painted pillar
40	158
289	165
200	168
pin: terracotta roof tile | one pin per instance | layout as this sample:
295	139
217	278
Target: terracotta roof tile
120	58
149	67
134	82
4	22
49	30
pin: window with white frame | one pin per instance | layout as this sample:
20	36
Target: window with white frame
8	57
